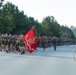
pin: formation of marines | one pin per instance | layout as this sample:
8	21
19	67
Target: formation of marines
13	43
48	41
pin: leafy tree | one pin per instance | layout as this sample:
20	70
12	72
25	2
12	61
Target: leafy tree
6	24
66	32
38	29
50	26
19	20
73	28
36	24
46	26
6	20
21	23
1	3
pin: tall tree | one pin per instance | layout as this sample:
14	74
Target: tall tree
6	20
73	28
18	23
66	32
50	26
1	3
36	24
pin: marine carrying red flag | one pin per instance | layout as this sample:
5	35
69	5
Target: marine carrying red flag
30	40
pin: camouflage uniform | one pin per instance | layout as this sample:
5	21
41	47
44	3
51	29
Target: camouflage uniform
54	42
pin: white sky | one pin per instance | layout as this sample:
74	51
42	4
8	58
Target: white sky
64	11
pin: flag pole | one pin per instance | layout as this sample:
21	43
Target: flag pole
18	42
33	26
35	29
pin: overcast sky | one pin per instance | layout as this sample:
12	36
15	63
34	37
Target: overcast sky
64	11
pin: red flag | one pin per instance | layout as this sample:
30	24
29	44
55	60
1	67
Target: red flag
30	40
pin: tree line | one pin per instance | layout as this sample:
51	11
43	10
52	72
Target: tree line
14	21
